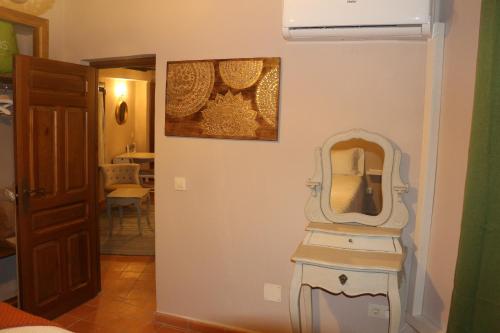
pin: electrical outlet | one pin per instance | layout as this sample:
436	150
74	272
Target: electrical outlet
272	292
378	311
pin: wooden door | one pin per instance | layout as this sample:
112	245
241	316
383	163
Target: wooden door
55	110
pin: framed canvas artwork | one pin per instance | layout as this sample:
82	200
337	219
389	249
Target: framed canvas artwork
226	99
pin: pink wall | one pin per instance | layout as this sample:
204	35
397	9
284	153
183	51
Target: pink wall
242	216
458	96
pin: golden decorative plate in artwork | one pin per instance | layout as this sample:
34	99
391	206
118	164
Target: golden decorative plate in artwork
229	116
240	74
189	86
266	96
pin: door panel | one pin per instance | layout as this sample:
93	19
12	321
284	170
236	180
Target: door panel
68	84
56	180
75	136
62	217
43	149
78	260
47	272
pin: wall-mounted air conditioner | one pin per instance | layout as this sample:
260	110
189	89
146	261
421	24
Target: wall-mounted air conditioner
357	19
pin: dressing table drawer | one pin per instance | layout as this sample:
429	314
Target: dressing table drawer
382	244
351	283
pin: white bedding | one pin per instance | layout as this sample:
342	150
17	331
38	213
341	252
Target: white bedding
34	329
347	194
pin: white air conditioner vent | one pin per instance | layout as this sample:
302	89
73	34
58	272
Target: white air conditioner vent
357	19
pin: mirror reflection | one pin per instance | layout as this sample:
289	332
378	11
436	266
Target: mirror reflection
357	167
121	112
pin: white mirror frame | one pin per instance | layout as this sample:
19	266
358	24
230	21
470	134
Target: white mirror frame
394	213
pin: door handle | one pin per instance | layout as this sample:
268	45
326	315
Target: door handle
30	193
34	192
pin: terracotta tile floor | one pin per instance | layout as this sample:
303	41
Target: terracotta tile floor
127	302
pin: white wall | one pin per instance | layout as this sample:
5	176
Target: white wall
242	216
57	32
462	17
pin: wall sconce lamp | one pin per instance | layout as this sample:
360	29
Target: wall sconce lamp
120	90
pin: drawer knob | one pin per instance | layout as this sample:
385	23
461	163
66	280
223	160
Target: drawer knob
343	279
350	240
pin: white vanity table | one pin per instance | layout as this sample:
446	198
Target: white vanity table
353	241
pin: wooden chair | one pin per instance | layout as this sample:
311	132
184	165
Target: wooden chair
146	175
123	175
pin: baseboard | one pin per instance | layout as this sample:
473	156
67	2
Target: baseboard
192	325
423	325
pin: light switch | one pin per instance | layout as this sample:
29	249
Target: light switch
272	292
180	183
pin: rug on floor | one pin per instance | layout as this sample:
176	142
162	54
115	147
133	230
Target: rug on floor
126	239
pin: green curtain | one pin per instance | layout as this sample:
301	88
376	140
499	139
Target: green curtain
476	296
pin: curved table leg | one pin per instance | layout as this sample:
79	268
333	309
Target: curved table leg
394	303
137	204
307	292
295	287
148	205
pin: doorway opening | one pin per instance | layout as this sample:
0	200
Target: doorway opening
126	111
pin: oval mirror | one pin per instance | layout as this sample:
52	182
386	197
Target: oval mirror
357	178
357	167
121	113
